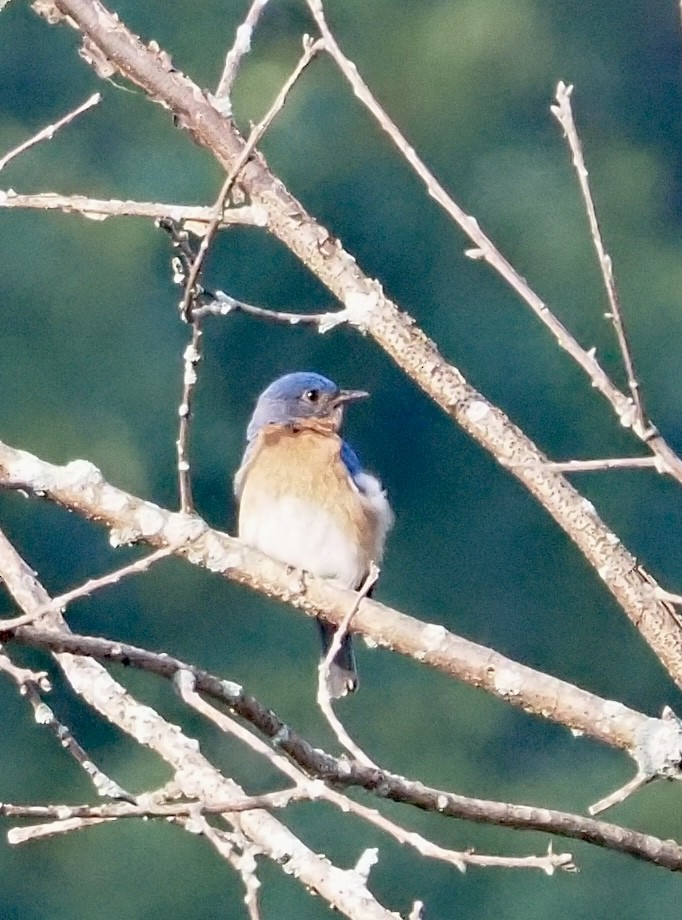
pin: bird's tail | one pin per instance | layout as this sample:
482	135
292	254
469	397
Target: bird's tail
343	675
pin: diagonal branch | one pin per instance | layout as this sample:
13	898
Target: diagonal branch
422	845
627	411
394	331
193	351
49	132
195	216
654	744
194	775
240	47
344	773
563	113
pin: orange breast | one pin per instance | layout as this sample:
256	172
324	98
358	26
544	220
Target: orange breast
305	464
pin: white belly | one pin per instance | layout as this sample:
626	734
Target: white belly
300	534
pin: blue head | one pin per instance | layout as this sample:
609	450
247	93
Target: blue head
302	395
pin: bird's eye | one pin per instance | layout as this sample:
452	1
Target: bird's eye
311	395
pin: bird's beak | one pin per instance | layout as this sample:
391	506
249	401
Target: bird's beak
345	396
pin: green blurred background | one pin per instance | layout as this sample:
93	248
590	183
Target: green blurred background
90	366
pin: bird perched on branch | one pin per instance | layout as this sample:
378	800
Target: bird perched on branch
305	499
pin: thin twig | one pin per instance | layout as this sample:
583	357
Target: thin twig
564	115
24	677
310	50
46	134
44	715
142	807
611	463
670	598
186	682
18	835
89	587
343	773
241	46
620	794
31	684
323	697
64	819
193	352
342	629
218	303
223	304
182	265
194	217
191	358
484	249
80	487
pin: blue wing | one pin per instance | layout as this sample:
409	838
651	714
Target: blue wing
352	462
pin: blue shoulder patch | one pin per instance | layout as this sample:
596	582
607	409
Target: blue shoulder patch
350	459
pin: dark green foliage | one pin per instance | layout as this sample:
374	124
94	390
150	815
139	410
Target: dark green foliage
90	366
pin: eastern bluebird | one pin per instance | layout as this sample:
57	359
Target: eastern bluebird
304	497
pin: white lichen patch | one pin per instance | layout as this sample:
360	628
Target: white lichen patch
43	714
182	528
360	305
433	635
587	506
150	520
113	500
507	682
123	536
36	474
79	474
212	553
477	410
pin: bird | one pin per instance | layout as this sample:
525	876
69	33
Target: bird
305	499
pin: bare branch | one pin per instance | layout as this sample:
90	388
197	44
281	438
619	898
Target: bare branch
46	134
89	587
190	358
323	697
24	677
621	794
194	217
240	47
195	776
612	463
142	807
372	312
653	743
18	835
460	860
44	715
193	352
564	115
223	305
486	250
309	52
343	773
